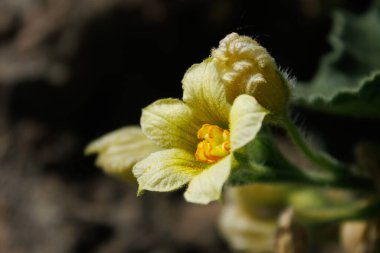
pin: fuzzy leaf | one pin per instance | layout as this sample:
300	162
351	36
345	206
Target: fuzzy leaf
348	79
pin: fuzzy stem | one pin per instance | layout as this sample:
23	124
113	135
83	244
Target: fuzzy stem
320	159
357	210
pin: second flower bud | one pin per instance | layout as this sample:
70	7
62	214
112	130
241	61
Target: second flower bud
247	68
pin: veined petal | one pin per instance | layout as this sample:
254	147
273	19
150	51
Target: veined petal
208	185
246	232
119	150
166	170
171	124
117	137
246	118
203	91
118	160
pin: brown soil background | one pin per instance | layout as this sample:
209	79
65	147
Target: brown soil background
72	70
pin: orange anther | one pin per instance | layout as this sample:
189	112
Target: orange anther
215	143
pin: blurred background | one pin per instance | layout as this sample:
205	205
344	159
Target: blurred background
72	70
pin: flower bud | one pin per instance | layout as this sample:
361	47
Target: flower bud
248	220
247	68
361	236
290	237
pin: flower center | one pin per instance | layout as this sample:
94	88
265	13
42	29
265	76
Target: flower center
215	143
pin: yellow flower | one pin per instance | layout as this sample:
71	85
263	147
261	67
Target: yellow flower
197	135
247	68
248	220
119	150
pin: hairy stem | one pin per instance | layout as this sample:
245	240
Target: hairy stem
320	159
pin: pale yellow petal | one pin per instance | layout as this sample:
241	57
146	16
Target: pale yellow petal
119	159
116	137
171	124
245	232
166	170
204	91
119	150
208	185
246	118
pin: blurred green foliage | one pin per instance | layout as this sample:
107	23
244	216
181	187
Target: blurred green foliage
348	79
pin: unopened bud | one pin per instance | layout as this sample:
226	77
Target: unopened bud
290	237
247	68
249	220
361	236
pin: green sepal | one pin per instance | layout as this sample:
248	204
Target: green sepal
261	161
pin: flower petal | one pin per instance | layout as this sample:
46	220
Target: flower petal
118	160
171	124
207	186
246	118
203	91
246	232
119	150
119	136
166	170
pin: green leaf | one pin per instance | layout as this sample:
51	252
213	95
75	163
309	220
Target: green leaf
348	79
